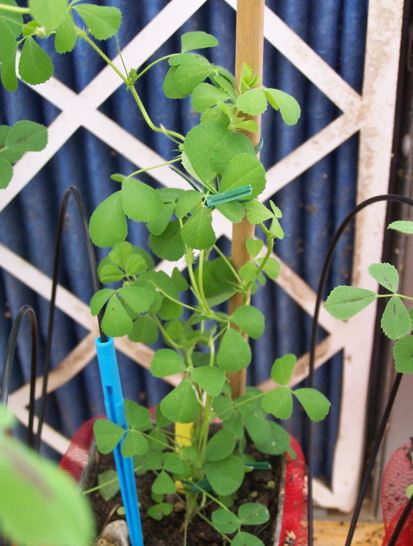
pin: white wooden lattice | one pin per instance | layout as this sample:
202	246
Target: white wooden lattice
370	113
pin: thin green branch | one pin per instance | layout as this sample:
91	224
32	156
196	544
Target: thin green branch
164	58
14	9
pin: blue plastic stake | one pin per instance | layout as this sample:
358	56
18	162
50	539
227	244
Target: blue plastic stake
115	412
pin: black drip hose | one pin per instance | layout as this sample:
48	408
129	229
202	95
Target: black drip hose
24	311
309	427
72	191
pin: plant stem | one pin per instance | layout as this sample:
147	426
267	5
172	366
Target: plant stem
270	247
227	262
174	300
170	134
201	515
142	72
139	171
164	333
14	9
409	298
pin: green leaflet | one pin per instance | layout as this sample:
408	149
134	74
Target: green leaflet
107	435
234	353
246	539
166	362
282	369
395	321
25	136
403	355
250	320
225	521
6	173
182	79
287	105
48	13
244	169
66	37
109	484
102	21
181	404
197	40
140	202
315	404
229	146
220	446
205	96
108	224
225	476
386	275
403	226
116	321
346	301
278	402
187	201
210	379
197	232
138	417
169	245
144	330
35	65
253	513
134	444
252	102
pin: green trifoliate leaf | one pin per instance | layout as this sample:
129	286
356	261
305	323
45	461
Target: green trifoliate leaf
6	173
144	330
315	404
159	224
99	300
26	136
225	521
116	321
253	513
248	78
234	211
66	37
220	446
250	320
163	485
256	212
287	105
134	444
225	476
197	232
269	437
234	353
35	65
138	298
199	144
182	79
205	96
283	368
38	493
187	201
396	322
48	13
169	245
246	539
131	259
103	22
254	247
252	102
109	484
138	417
346	301
403	355
244	169
181	404
159	511
403	226
166	362
173	463
276	210
248	272
386	275
278	402
107	435
108	224
140	202
197	40
212	380
229	146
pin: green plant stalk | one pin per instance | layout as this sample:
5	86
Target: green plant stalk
171	134
165	164
164	58
201	515
14	9
403	296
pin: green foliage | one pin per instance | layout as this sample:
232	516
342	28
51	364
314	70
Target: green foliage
287	105
403	355
197	40
107	435
109	484
225	521
181	404
346	301
396	322
246	539
386	275
225	476
314	403
35	65
250	320
234	352
253	513
244	169
279	402
402	226
166	362
48	13
197	232
283	368
163	484
38	493
252	102
220	446
108	225
103	22
210	379
140	202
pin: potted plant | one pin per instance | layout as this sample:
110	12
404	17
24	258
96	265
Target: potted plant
202	455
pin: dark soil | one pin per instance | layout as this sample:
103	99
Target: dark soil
258	486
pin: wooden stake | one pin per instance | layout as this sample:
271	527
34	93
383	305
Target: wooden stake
249	50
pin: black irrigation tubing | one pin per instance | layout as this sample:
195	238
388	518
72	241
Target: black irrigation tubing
71	191
24	311
309	428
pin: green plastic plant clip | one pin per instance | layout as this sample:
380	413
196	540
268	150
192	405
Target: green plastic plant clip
237	194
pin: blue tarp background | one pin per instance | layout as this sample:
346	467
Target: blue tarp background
313	204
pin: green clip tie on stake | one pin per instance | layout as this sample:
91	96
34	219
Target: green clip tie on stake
237	194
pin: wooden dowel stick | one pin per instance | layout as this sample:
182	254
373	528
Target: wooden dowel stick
249	50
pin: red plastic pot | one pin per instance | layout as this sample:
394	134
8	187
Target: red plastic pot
290	528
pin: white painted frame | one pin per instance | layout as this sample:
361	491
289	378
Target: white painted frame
371	113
